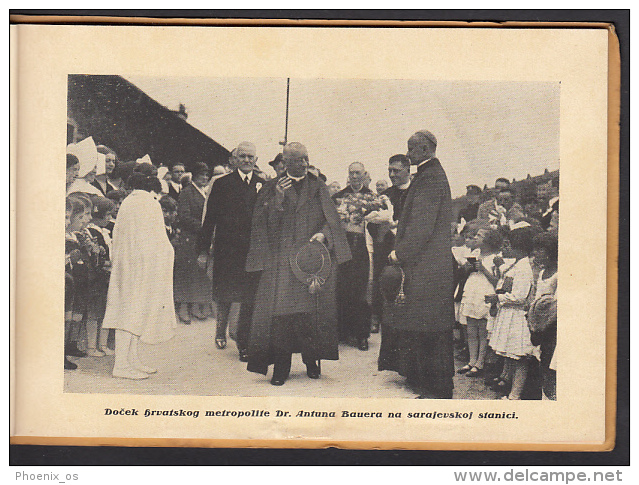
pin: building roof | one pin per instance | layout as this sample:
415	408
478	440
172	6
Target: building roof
120	115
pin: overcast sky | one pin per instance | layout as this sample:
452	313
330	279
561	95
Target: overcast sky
484	130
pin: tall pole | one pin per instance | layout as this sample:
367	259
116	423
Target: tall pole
288	85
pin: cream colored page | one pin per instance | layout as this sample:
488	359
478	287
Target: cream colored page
575	58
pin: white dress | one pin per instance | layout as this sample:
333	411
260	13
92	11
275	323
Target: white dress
477	286
510	336
140	297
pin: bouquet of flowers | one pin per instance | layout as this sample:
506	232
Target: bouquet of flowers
353	208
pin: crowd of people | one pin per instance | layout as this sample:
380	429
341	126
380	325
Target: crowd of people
305	265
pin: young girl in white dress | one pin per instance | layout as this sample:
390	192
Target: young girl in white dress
481	282
510	336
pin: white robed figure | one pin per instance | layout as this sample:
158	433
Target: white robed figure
140	298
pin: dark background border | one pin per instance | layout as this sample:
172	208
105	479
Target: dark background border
31	455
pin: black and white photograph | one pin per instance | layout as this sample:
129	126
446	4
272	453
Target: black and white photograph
311	237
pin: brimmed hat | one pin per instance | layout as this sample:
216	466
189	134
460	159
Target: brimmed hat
278	158
391	283
311	265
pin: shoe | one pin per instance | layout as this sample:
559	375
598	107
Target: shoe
243	355
130	373
277	382
501	387
374	325
464	369
474	372
489	381
107	351
69	365
95	353
220	343
183	313
313	370
73	350
202	312
362	344
145	368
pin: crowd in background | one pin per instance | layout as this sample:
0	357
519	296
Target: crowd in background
503	245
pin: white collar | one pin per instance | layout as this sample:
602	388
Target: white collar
425	161
245	176
296	179
201	191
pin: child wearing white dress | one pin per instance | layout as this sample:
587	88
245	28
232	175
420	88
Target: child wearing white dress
510	336
474	309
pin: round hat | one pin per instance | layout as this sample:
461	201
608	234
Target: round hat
311	265
278	158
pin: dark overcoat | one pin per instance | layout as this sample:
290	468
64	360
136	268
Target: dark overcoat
423	246
229	212
276	235
190	282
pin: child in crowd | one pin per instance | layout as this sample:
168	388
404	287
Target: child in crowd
97	239
169	210
460	251
68	286
542	316
117	196
79	209
510	336
484	274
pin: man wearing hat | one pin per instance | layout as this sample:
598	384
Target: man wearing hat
297	242
278	165
229	211
473	199
488	208
422	349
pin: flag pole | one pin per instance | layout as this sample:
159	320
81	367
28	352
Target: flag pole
288	85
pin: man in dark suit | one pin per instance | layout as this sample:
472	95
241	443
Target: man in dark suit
228	215
422	347
383	231
473	200
354	312
290	211
177	171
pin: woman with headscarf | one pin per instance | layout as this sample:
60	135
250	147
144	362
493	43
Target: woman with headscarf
140	298
86	152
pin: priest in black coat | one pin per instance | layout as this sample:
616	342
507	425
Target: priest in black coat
383	232
227	226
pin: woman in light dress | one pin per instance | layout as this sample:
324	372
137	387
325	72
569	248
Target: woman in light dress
140	299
